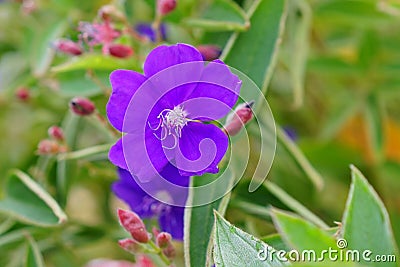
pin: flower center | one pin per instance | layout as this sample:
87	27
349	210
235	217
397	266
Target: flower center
171	123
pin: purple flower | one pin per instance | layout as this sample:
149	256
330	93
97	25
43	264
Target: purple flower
170	218
146	30
162	113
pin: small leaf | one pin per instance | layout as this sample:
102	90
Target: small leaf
374	116
294	204
95	62
221	15
366	223
299	158
253	52
301	234
233	247
28	202
33	256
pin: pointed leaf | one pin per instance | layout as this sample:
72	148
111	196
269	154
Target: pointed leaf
301	234
366	224
28	202
233	247
33	255
221	15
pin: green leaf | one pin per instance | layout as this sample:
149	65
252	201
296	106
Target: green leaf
374	116
233	247
33	256
294	204
221	15
301	234
366	223
95	62
299	158
254	52
28	202
199	220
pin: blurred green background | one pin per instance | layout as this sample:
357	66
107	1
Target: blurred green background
336	85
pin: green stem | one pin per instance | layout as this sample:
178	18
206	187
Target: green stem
160	253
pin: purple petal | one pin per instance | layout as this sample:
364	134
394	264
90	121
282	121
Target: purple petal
145	29
172	222
216	94
116	155
201	148
124	84
127	190
164	56
144	154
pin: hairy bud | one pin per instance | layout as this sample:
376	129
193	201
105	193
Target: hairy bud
165	7
134	225
48	147
68	47
236	120
119	50
56	133
163	239
82	106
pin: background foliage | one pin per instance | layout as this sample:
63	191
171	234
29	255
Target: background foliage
335	85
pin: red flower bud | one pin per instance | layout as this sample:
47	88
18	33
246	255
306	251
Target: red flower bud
121	51
209	52
82	106
68	47
165	6
129	245
23	94
134	225
242	115
56	133
163	239
48	147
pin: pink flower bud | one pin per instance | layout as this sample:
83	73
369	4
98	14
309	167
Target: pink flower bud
109	263
129	245
56	133
242	115
134	225
47	147
121	51
169	251
165	7
82	106
23	94
68	47
163	239
209	52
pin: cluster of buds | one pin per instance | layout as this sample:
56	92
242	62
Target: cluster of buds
141	240
238	118
100	33
55	144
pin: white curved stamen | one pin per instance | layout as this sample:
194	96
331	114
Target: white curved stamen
171	123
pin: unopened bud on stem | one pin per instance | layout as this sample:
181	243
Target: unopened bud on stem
165	7
129	245
134	225
235	121
209	52
68	47
82	106
56	133
119	50
163	239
